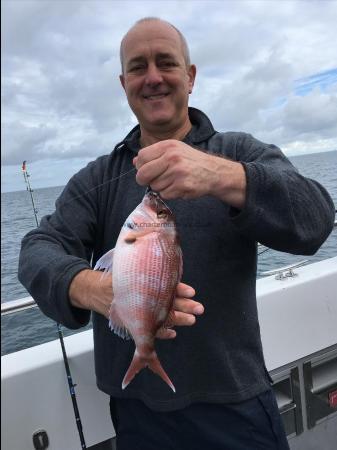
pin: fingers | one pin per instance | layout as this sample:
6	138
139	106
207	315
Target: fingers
166	333
183	319
184	290
150	153
180	319
148	172
185	311
158	163
188	306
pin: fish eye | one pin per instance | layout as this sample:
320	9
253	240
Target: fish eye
162	214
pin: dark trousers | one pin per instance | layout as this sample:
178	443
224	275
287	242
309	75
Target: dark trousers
254	424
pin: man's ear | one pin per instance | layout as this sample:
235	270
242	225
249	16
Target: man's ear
122	80
192	71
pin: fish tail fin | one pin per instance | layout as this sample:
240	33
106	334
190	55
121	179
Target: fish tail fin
157	368
138	363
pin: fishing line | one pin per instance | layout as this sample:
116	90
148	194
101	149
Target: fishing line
263	251
100	185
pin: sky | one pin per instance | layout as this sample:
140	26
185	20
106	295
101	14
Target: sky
264	67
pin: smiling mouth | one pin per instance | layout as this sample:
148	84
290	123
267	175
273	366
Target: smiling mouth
155	96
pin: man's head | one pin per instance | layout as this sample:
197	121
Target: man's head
145	20
157	75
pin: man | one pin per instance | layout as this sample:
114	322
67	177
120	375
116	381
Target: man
227	191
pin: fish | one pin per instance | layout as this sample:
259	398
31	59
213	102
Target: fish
146	266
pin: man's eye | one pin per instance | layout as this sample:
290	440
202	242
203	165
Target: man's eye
136	68
167	64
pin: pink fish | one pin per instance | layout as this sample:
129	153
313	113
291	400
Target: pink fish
146	266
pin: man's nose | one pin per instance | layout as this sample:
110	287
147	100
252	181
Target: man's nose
153	75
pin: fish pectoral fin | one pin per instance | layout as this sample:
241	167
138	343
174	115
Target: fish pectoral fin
169	322
105	262
130	237
133	235
116	324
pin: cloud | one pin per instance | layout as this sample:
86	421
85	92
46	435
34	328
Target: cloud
240	101
263	67
18	140
312	115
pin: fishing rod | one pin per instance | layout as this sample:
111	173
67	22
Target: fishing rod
30	190
71	385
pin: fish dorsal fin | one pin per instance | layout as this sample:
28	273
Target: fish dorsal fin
116	324
105	262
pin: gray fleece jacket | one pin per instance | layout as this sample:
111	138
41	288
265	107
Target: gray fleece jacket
220	358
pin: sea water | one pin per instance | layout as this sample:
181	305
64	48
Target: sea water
30	327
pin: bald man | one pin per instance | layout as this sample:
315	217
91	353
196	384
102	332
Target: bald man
227	191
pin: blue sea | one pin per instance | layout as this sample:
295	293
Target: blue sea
30	327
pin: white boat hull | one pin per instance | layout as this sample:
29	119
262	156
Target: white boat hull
298	318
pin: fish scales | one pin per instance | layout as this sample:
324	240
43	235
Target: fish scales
146	282
136	283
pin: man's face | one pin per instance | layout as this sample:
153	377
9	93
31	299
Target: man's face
155	77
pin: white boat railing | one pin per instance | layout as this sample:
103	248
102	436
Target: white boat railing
17	305
21	304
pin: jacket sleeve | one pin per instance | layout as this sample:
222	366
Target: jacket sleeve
284	210
52	254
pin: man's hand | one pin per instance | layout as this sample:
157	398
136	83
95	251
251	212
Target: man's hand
177	170
174	169
185	310
90	290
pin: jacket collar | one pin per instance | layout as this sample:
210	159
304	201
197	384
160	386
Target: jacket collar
202	129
